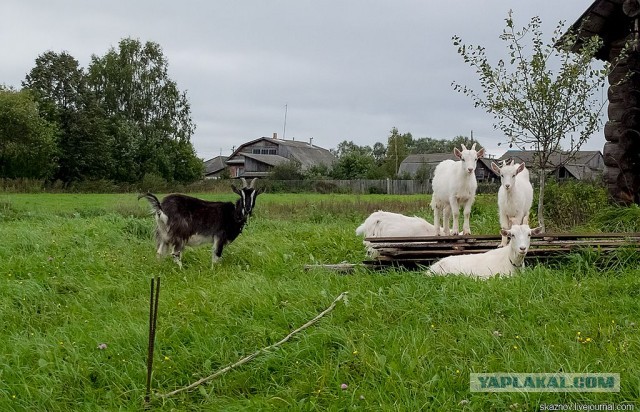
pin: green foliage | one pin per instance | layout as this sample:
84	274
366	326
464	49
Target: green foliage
572	203
353	165
290	170
363	162
397	150
27	142
120	119
423	174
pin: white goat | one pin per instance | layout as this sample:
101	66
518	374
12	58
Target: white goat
454	182
503	260
514	196
383	224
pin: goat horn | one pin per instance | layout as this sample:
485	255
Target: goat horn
253	182
463	147
244	182
473	147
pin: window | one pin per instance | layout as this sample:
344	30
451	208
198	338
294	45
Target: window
264	150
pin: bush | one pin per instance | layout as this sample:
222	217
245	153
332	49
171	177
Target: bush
572	203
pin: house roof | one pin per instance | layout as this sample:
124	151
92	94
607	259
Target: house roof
412	163
556	159
306	154
271	160
604	18
214	165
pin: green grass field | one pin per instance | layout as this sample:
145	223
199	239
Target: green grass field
75	273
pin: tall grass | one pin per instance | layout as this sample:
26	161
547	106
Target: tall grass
75	270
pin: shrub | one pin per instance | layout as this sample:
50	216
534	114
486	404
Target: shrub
572	203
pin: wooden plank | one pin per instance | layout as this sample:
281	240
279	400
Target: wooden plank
426	250
466	238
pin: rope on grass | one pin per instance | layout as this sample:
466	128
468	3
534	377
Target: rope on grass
265	349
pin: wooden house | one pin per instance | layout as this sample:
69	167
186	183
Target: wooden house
617	23
413	164
214	167
582	165
257	157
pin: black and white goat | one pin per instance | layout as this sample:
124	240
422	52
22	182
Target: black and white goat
188	221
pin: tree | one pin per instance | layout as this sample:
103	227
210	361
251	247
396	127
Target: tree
353	165
132	85
290	170
59	85
397	150
541	98
354	162
27	141
429	145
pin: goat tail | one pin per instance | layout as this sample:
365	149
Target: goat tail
153	201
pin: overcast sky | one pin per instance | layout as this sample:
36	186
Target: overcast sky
346	70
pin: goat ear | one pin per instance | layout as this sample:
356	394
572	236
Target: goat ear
480	153
235	189
495	167
457	153
520	168
536	231
504	232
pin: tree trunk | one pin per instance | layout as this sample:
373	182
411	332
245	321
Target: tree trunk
543	174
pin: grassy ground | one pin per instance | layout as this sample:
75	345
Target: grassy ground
75	271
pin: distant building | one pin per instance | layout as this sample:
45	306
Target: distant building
583	165
414	164
257	157
214	167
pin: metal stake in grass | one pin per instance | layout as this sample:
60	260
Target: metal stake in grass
153	317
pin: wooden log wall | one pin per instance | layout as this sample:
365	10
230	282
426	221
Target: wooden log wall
622	131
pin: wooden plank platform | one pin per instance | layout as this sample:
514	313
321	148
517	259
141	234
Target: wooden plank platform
425	250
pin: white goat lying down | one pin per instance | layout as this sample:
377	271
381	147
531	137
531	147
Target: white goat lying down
503	260
514	196
389	224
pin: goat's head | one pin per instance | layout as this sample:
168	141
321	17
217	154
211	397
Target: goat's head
469	157
248	194
508	173
520	238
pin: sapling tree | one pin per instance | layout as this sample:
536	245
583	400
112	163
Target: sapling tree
542	97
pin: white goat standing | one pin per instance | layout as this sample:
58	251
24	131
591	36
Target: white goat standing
514	196
454	182
383	224
503	260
